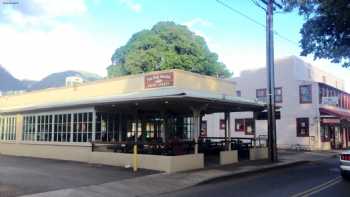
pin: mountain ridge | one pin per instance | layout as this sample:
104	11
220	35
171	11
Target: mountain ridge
9	83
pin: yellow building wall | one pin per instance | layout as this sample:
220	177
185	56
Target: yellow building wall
114	87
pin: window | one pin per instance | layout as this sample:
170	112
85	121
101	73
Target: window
184	126
246	125
302	127
29	123
305	94
222	124
8	128
58	127
249	126
44	129
261	95
62	128
238	93
278	95
325	133
204	127
239	124
82	127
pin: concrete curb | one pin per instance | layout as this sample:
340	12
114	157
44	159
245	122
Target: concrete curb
252	171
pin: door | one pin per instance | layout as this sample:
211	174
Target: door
336	138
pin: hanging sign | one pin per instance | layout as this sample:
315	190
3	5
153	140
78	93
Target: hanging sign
159	80
330	121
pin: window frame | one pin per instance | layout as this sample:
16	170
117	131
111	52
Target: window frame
222	124
239	121
281	95
299	127
243	121
301	100
261	98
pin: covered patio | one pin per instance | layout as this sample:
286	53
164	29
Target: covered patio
168	123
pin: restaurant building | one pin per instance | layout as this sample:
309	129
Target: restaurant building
314	113
100	122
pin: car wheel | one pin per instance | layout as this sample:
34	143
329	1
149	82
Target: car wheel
345	175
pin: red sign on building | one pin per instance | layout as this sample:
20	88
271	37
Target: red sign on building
330	121
159	80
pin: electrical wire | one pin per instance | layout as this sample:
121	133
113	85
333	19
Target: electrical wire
255	21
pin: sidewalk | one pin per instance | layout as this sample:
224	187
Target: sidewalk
152	185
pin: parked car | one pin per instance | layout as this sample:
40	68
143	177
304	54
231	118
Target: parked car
345	164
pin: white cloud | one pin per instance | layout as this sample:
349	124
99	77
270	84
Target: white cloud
34	55
49	8
198	22
39	14
34	43
136	7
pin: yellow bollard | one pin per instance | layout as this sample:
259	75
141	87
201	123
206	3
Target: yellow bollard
134	163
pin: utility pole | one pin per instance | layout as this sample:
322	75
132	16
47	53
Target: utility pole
270	71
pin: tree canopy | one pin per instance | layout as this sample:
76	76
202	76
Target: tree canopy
166	46
326	32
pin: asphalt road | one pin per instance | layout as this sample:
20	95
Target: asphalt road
321	179
23	175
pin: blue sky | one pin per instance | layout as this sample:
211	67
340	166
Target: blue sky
39	37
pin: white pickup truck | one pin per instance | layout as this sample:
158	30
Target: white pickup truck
345	164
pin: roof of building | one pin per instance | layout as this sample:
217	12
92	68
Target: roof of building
186	87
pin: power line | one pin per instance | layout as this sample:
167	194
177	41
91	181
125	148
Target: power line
255	21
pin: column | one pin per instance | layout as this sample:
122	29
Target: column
163	127
120	128
228	130
93	137
53	127
196	127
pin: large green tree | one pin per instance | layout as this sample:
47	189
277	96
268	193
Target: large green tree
326	32
166	46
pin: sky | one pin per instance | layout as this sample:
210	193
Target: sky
39	37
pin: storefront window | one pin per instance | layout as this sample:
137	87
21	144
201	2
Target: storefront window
8	128
82	127
29	124
62	128
302	127
44	132
247	125
58	127
239	124
325	133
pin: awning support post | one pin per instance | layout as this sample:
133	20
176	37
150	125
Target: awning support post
120	129
228	130
197	113
196	128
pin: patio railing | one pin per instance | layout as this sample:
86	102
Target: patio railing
170	148
173	147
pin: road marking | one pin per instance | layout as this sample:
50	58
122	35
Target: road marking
324	188
319	188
